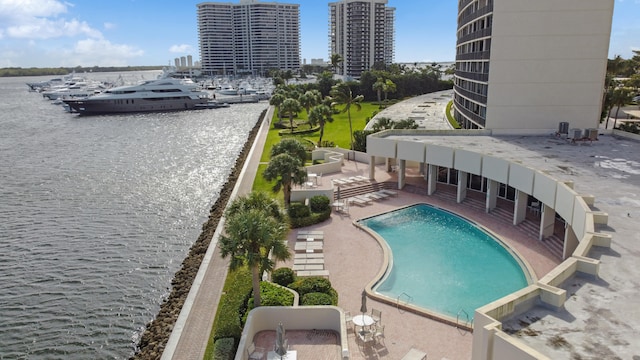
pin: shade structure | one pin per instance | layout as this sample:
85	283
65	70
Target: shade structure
281	342
363	302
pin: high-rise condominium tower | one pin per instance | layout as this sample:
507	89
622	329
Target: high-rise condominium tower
362	33
248	38
529	65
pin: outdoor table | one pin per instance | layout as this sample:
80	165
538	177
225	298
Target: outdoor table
362	320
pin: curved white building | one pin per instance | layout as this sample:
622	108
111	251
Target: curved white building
524	66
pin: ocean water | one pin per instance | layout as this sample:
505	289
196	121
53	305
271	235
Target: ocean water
97	214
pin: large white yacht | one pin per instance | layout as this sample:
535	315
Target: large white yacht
164	94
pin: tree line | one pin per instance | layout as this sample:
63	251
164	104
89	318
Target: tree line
621	87
18	71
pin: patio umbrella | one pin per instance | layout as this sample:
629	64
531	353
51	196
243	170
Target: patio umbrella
281	343
363	304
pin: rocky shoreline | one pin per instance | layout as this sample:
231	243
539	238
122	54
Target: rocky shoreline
154	339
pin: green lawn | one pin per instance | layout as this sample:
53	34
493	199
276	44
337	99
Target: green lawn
336	131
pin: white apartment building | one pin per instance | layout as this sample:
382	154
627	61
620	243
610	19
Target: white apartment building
248	38
362	33
525	66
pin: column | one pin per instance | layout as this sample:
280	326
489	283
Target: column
520	207
401	174
547	221
431	180
372	168
387	164
462	185
492	195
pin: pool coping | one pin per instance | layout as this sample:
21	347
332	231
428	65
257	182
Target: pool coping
387	262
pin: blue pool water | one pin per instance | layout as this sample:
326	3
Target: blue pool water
442	262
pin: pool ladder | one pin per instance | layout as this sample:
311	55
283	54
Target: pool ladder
459	318
403	295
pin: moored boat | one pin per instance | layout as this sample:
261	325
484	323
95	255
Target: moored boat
164	94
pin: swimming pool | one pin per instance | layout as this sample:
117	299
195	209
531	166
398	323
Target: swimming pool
442	262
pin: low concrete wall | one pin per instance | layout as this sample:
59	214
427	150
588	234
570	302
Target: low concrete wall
333	161
294	318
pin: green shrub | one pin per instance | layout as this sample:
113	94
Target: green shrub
298	210
319	203
312	284
232	305
270	295
283	276
224	349
315	218
316	298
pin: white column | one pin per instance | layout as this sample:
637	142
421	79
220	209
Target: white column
401	174
492	195
372	168
431	180
547	221
462	185
520	207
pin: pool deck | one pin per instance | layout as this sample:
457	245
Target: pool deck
354	258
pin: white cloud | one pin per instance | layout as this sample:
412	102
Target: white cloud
109	25
180	49
102	52
20	9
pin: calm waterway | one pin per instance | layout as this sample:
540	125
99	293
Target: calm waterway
97	214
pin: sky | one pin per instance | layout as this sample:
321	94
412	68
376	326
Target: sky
70	33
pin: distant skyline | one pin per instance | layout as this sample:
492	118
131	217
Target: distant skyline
55	33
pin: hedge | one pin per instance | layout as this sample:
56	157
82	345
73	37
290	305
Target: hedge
228	318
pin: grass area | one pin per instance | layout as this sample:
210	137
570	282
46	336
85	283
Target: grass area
450	117
336	131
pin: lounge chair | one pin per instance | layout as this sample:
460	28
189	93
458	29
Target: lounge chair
373	196
415	354
382	195
363	198
357	201
323	273
389	192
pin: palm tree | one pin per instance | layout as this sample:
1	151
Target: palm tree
342	95
309	99
254	229
619	97
320	114
286	170
378	86
389	87
291	107
277	100
336	59
292	147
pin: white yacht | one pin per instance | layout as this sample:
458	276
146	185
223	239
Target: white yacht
164	94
